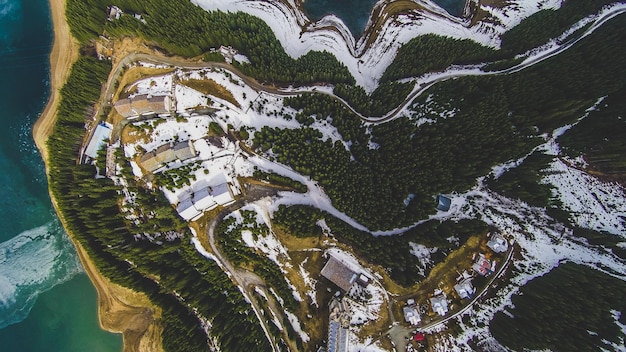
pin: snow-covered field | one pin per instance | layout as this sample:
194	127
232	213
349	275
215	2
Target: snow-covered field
592	203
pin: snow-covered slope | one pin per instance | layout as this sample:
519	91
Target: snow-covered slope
299	35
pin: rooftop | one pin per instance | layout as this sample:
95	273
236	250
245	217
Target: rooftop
465	288
102	133
498	243
439	304
443	203
339	273
411	315
482	266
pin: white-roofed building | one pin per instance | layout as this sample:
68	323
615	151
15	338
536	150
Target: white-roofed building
221	194
411	315
439	304
186	209
100	135
203	201
498	243
465	288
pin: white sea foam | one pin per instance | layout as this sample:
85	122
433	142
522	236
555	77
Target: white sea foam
7	7
31	263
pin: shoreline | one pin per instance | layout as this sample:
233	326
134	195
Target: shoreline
120	310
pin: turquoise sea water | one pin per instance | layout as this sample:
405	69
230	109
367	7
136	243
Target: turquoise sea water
46	302
355	13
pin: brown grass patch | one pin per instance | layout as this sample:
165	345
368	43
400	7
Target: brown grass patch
210	87
444	274
131	134
201	226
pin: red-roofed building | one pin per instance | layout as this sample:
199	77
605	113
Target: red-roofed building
483	266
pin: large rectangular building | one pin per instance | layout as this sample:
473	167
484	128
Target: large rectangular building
100	135
144	104
339	274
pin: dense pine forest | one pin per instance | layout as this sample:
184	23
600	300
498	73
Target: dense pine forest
572	308
491	120
182	28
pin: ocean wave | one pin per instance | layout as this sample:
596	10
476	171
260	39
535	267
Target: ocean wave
8	7
32	263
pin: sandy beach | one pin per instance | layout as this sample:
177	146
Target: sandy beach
120	310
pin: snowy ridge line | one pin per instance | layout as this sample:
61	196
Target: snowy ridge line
368	57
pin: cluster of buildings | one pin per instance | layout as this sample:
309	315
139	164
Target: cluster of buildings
338	327
166	153
207	198
144	104
464	288
345	276
485	267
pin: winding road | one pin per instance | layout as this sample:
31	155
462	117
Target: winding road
244	278
420	86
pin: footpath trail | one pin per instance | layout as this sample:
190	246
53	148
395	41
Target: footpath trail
245	279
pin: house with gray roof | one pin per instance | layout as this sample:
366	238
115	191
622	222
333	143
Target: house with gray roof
184	150
339	274
186	209
439	304
464	288
222	194
498	243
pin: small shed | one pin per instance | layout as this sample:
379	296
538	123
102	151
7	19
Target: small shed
419	337
443	203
